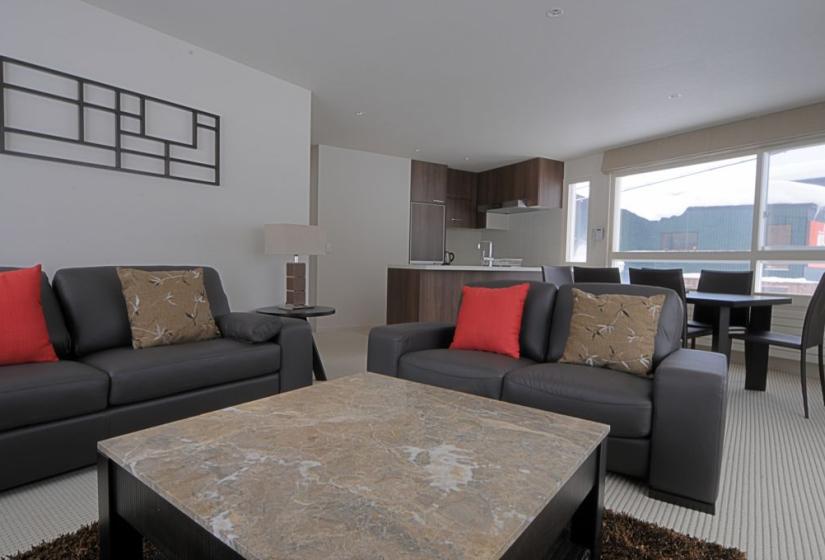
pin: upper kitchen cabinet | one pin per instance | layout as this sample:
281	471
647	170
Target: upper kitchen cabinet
428	182
461	199
537	182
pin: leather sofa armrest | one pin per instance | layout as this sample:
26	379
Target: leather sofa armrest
689	408
295	339
387	344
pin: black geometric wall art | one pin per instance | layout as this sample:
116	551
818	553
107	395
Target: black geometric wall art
51	115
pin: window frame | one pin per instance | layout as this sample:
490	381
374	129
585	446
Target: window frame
570	220
758	252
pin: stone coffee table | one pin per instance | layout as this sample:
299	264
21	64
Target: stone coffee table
363	467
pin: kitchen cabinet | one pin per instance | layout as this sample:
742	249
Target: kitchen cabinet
428	182
461	199
537	181
427	224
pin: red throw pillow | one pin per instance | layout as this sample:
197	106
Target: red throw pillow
489	319
24	337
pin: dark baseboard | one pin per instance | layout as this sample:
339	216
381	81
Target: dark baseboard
704	507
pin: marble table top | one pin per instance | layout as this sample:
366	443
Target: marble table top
366	466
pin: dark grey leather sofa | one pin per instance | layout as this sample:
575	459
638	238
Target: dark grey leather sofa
668	430
53	414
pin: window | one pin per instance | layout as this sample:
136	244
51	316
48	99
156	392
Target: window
704	207
796	198
680	240
763	212
578	204
788	277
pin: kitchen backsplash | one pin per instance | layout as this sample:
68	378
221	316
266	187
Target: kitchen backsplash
533	236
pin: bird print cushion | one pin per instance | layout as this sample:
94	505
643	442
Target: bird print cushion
614	331
167	307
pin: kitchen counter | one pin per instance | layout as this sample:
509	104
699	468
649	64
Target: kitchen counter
431	292
454	267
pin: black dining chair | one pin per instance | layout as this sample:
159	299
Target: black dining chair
671	278
596	274
813	330
720	282
558	275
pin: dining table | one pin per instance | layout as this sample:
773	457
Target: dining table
761	309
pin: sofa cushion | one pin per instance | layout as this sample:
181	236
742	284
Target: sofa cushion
92	300
37	393
149	373
24	336
616	331
668	335
58	333
535	321
470	371
167	306
489	319
622	400
249	327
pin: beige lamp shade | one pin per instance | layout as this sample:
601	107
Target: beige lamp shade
294	239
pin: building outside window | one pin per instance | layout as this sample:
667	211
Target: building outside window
763	212
578	206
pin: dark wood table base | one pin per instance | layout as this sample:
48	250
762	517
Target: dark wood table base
130	510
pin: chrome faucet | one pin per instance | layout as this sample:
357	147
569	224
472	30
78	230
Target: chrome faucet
486	255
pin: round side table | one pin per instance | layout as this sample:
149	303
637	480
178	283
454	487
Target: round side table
304	314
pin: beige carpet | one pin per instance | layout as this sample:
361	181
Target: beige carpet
772	503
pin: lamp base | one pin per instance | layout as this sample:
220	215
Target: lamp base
296	281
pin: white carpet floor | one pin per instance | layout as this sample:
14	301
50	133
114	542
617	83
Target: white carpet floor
772	503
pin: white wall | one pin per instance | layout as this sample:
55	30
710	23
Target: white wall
364	206
64	215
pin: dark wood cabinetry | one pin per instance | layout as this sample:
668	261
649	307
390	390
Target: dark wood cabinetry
441	197
428	182
537	181
426	232
461	199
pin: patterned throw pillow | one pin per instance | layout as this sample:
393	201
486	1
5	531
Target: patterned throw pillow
167	307
614	331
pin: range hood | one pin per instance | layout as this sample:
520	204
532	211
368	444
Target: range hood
518	206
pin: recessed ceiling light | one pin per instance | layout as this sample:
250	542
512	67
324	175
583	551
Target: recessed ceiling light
417	150
467	158
555	12
675	95
360	113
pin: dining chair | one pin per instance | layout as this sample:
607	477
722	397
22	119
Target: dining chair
605	275
720	282
671	278
813	330
558	275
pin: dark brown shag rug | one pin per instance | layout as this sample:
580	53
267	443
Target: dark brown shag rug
623	538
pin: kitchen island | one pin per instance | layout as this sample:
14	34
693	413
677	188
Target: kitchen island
432	292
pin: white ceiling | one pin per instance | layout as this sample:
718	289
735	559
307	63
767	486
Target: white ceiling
498	81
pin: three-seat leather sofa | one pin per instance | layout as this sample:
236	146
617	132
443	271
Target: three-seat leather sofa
53	414
668	429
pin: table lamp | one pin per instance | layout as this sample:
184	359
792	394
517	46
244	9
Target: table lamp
295	240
